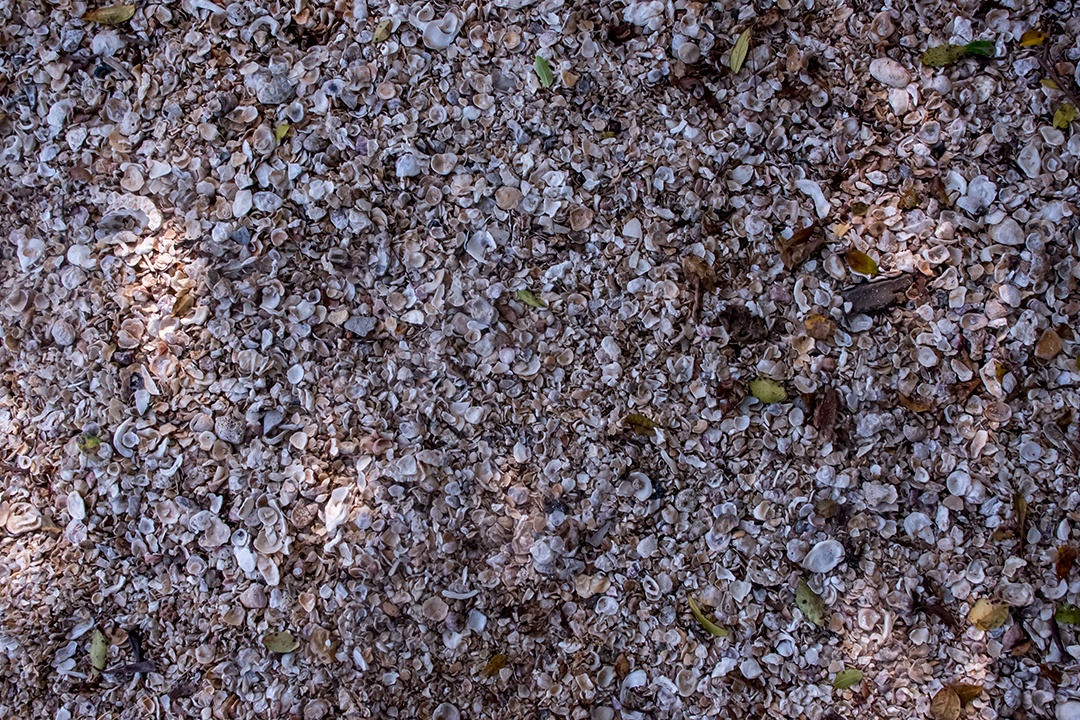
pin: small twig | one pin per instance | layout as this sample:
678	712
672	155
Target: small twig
1048	68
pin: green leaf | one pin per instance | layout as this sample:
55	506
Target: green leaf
705	622
767	391
280	132
982	48
529	298
544	72
861	263
1067	614
382	31
99	650
1064	115
846	678
810	603
280	642
111	15
739	52
641	424
943	55
88	444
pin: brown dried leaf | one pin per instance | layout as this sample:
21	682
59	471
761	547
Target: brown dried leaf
861	263
825	412
622	666
1049	345
819	327
698	271
1066	558
945	705
909	199
872	296
859	209
619	33
743	326
641	424
800	246
962	390
1021	649
184	302
1020	510
111	15
915	405
967	693
1051	673
986	615
494	665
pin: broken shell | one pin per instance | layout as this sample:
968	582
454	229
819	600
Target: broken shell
22	517
444	163
435	609
580	218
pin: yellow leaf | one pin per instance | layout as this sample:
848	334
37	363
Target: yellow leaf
767	391
1031	38
494	665
739	52
280	132
1047	82
841	229
1064	115
641	424
111	15
986	615
706	622
861	263
945	705
819	327
847	678
529	298
280	642
382	31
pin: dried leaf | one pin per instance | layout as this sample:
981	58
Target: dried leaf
841	229
1020	510
111	15
909	199
1064	115
739	52
861	263
872	296
280	642
641	424
494	665
183	304
1049	345
1053	674
1049	83
810	603
846	678
967	693
698	271
825	412
382	31
743	326
1031	38
943	55
1067	614
1021	649
767	391
859	209
986	615
819	327
915	405
619	33
544	72
99	650
622	666
281	131
529	298
1066	558
945	705
705	622
800	246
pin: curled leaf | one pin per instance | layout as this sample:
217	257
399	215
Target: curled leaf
767	391
945	705
1064	115
529	298
544	72
494	665
739	52
847	678
709	625
1031	38
111	15
819	327
99	650
382	31
986	615
966	692
825	412
281	131
280	642
800	246
810	603
1067	614
641	424
861	263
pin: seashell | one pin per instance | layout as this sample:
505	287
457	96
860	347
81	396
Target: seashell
337	511
1030	160
76	507
215	536
229	428
130	333
435	609
1016	594
137	207
507	197
142	400
63	333
1007	232
30	250
446	711
117	441
407	166
438	34
688	52
81	256
889	72
299	440
444	163
253	598
18	300
958	483
882	26
580	218
824	556
22	517
1068	710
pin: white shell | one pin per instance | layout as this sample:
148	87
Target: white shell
824	556
890	72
